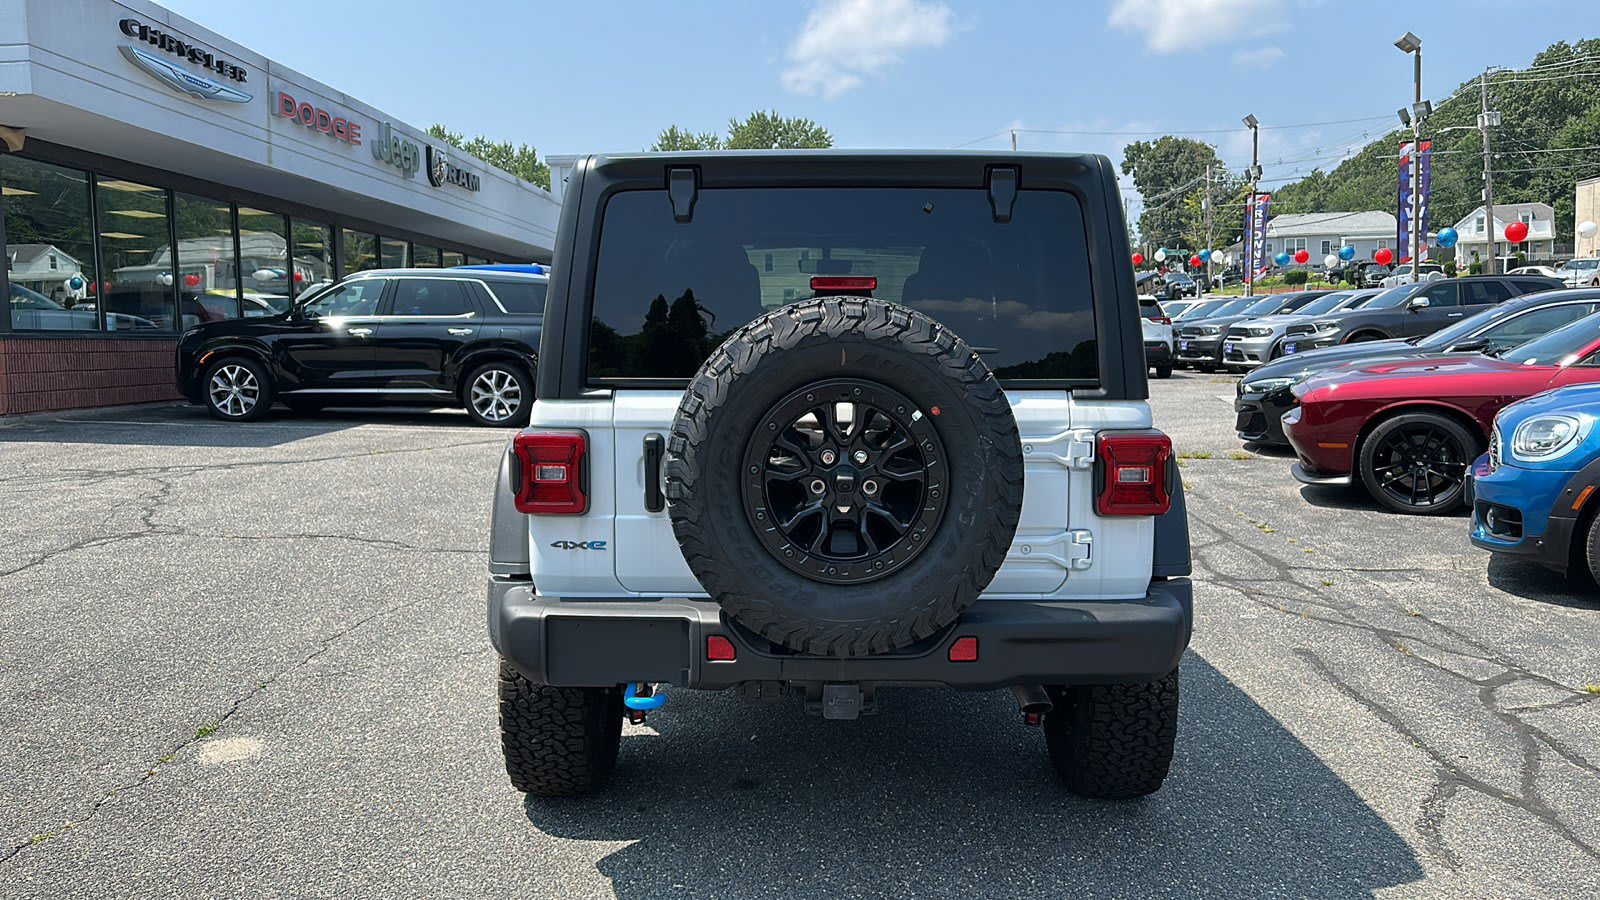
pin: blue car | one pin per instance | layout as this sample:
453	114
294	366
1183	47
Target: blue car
1534	494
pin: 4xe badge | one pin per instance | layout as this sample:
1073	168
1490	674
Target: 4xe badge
578	545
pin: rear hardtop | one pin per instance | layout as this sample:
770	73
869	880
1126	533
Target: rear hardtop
1091	179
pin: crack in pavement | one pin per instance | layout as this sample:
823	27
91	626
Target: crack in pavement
323	645
1531	739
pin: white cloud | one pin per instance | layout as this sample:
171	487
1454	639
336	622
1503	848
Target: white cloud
843	41
1259	58
1171	25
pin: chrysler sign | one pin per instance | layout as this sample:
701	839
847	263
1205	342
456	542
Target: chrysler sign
170	69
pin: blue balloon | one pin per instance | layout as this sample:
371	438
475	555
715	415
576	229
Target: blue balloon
1347	253
1205	256
75	282
1448	237
1281	259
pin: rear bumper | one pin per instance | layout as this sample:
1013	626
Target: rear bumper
596	643
1157	353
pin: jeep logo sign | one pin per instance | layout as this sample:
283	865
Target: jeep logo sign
394	148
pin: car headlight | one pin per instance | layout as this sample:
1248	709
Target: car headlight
1268	385
1260	332
1546	437
1210	329
1327	327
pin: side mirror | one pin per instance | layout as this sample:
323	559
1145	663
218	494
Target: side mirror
1476	345
1419	303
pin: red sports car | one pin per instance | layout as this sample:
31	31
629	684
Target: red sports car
1410	429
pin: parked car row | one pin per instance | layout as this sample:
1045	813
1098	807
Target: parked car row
1494	412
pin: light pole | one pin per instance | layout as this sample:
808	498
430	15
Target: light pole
1410	43
1254	125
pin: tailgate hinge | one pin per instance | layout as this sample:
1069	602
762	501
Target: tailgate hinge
683	189
1080	449
1080	549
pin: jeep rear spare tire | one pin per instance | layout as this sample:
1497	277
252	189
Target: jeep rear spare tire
844	476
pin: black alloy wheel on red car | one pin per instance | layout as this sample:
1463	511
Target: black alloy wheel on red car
1417	463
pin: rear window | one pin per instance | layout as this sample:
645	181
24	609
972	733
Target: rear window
668	292
520	296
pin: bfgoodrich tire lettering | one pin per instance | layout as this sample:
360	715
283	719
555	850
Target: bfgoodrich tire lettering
809	343
558	741
1114	742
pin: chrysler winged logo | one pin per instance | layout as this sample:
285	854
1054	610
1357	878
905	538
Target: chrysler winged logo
182	80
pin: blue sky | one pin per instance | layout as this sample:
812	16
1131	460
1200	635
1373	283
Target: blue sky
580	77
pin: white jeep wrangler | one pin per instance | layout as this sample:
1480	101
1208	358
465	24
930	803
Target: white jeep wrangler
812	423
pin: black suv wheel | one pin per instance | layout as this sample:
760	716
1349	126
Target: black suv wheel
499	394
558	741
237	389
1114	741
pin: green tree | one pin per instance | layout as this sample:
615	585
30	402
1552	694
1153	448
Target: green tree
1166	171
521	160
757	131
674	138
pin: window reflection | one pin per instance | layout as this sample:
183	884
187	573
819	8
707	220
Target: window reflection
208	269
425	257
49	246
136	248
312	247
453	258
393	253
360	251
264	258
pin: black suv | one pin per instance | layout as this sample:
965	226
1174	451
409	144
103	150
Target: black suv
465	336
1412	310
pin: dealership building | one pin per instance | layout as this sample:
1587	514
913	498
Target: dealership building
155	175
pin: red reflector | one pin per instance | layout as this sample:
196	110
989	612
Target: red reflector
1161	320
720	649
823	283
550	472
965	649
1132	474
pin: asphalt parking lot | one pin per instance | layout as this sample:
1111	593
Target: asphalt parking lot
251	660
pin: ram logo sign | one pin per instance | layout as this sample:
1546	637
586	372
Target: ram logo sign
578	545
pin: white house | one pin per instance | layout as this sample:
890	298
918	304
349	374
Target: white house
1324	233
1474	235
41	267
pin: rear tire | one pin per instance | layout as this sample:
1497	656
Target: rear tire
1163	371
498	394
1114	742
558	741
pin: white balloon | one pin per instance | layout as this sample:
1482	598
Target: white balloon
1587	229
166	279
1161	256
1330	260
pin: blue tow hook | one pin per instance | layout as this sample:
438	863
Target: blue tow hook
641	698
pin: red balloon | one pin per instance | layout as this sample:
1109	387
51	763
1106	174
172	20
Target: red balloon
298	277
1194	261
1517	232
191	280
1138	259
1302	256
1384	256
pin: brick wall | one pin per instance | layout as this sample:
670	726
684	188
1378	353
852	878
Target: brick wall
46	374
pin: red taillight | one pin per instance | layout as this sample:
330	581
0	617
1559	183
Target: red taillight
965	649
550	472
1159	320
821	284
1133	474
720	649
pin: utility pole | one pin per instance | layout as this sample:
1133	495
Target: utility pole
1410	43
1253	124
1486	120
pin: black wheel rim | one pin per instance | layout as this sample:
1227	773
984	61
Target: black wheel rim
1419	465
845	480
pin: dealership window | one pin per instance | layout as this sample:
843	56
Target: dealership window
311	245
453	258
360	251
424	257
393	253
49	246
136	250
207	272
264	257
477	261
